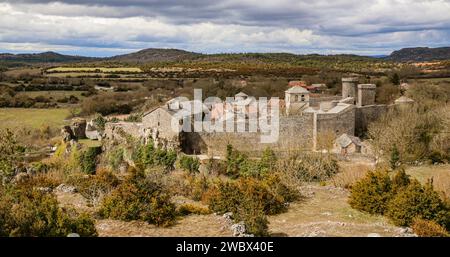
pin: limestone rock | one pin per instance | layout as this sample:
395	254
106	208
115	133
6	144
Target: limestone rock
44	189
66	188
92	134
78	127
91	131
238	229
67	134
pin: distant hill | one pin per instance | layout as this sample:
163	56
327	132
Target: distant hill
46	57
161	56
156	55
420	54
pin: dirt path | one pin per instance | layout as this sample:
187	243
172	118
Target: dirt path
189	226
325	212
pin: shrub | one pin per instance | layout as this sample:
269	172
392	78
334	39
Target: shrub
416	200
250	199
88	159
9	151
28	212
255	220
400	181
414	132
198	185
147	156
372	193
139	199
99	122
235	161
268	161
133	118
238	164
309	167
115	158
94	187
427	228
189	208
395	157
188	163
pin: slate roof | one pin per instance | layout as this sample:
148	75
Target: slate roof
297	90
345	140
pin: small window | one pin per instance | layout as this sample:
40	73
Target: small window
158	123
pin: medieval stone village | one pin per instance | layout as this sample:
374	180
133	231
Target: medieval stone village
304	117
165	142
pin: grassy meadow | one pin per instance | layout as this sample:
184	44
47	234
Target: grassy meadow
15	118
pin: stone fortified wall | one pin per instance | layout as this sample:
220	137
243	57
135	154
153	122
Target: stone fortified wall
295	134
339	123
367	114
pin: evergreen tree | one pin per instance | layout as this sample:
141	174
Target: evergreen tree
395	157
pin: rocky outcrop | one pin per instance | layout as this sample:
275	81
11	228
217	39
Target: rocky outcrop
67	134
65	188
238	229
92	132
78	127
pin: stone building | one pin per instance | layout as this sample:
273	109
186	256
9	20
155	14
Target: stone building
347	144
300	124
296	99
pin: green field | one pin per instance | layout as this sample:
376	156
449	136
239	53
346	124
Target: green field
95	69
90	143
32	118
53	94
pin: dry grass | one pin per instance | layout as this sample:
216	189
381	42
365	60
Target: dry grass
15	73
94	69
350	173
441	183
188	226
439	173
326	213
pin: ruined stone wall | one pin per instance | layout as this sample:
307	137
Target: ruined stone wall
295	134
367	114
120	130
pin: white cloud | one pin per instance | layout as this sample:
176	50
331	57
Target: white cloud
363	27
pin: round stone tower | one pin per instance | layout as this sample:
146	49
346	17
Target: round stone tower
349	86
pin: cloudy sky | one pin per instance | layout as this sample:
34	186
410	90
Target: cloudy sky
109	27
